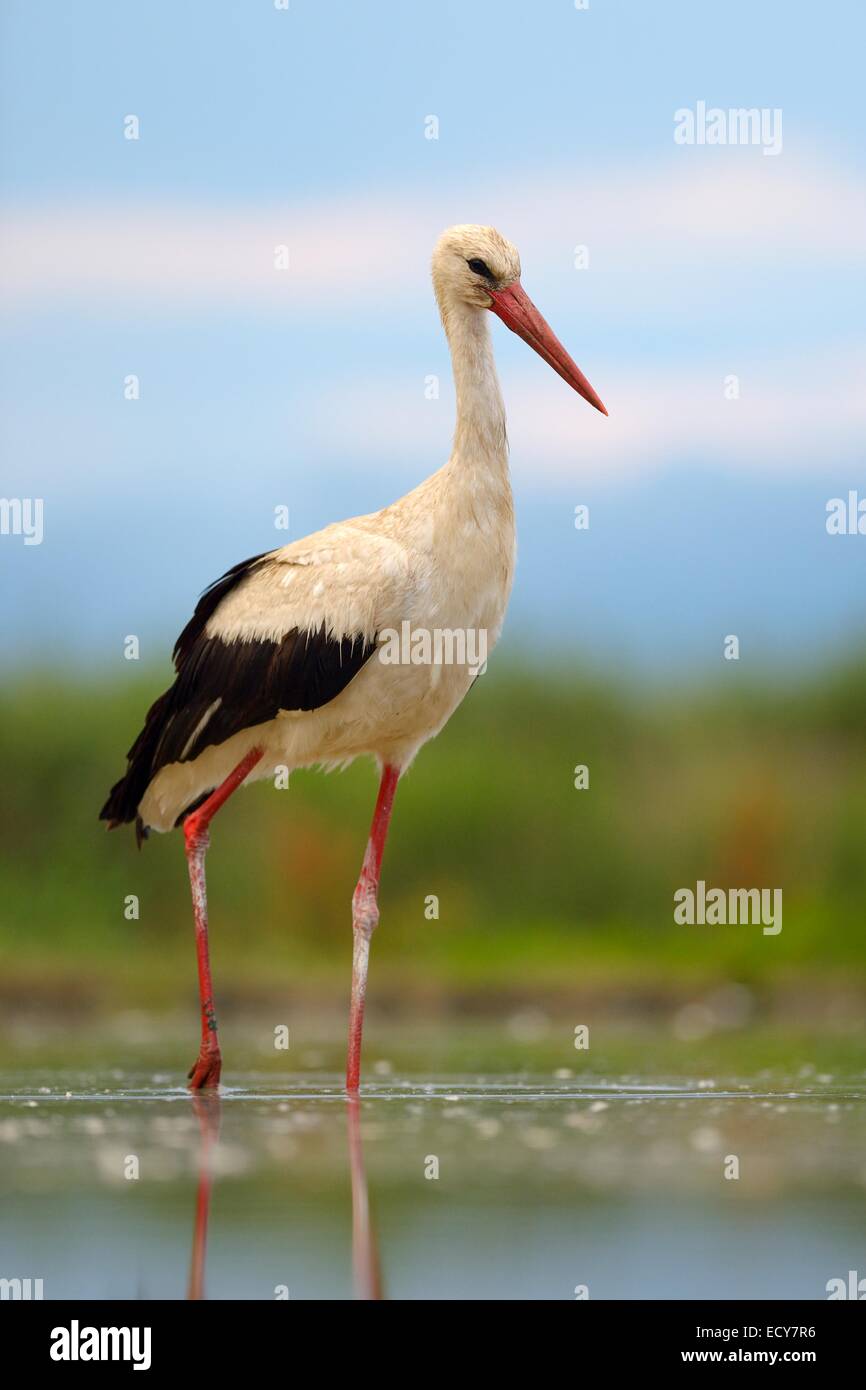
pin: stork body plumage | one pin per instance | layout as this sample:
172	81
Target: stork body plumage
282	664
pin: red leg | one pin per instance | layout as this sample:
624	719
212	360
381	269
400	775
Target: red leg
365	916
206	1070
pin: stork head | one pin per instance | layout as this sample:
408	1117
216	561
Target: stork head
477	268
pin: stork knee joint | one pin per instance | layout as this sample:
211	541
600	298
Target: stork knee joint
365	912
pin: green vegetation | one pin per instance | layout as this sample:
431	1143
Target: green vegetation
544	890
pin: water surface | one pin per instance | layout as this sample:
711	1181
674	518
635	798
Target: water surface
533	1186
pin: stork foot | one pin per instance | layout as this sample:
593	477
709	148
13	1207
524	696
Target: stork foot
206	1070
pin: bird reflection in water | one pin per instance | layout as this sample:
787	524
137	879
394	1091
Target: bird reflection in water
207	1110
365	1252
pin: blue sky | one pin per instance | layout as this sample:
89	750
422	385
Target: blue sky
306	388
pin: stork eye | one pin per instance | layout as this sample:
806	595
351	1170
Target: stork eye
480	268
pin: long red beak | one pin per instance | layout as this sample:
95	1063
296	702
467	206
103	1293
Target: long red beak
517	310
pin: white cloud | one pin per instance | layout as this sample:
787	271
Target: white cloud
650	229
796	414
374	249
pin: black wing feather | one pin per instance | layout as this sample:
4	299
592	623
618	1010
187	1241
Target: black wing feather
252	680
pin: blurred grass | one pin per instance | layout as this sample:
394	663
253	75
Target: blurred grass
541	888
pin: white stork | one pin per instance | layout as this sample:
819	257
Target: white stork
279	667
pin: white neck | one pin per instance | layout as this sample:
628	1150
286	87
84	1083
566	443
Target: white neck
479	438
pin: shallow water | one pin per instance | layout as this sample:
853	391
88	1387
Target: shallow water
122	1185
